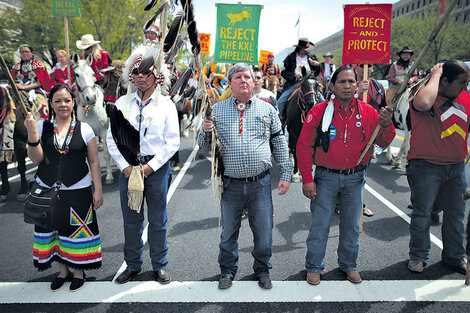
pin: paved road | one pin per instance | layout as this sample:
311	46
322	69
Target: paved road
193	240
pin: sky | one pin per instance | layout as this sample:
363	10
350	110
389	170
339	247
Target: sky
318	20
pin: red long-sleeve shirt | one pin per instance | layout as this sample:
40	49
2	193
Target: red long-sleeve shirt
343	152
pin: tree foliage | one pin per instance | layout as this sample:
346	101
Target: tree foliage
117	24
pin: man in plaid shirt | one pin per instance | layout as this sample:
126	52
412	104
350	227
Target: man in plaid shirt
247	127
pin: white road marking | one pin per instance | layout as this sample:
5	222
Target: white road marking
241	291
171	191
399	212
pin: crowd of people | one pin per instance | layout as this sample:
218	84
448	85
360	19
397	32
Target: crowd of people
248	122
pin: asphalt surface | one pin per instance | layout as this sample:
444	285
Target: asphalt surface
193	237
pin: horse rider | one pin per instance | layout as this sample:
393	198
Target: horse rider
34	82
101	58
436	164
398	71
270	69
327	67
59	73
246	155
302	56
375	97
214	74
155	119
333	137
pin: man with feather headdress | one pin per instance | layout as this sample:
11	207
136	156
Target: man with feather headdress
143	135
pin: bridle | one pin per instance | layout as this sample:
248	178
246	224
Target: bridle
301	102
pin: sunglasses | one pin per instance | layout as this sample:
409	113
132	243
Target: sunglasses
145	73
362	65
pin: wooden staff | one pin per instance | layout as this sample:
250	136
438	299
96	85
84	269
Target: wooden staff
13	85
431	38
67	48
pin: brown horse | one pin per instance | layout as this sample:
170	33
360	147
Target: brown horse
272	83
298	105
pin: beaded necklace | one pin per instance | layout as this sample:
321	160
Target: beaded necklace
65	146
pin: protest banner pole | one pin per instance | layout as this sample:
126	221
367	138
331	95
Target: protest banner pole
431	38
365	76
67	48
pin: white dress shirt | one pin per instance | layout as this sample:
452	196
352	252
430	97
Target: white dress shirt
159	130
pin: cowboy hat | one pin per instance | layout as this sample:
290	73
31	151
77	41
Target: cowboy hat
86	42
405	49
304	43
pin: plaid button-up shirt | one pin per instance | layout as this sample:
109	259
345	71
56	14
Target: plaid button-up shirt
248	153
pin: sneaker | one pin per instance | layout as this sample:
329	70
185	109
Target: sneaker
416	266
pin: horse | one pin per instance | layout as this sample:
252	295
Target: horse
401	120
112	82
272	83
90	108
298	105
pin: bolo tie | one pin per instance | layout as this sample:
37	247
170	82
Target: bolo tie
241	108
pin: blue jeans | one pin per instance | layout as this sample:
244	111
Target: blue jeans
447	182
256	197
155	192
282	101
333	188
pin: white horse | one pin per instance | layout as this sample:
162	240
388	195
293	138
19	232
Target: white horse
402	121
90	107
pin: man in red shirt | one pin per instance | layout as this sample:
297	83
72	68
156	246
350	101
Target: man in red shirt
436	169
334	134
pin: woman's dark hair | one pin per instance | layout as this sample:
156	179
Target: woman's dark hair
452	69
51	94
342	69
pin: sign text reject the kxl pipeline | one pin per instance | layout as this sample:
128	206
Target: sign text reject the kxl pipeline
237	33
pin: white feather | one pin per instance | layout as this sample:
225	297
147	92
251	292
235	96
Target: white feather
327	116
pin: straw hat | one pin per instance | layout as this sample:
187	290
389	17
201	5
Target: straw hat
86	42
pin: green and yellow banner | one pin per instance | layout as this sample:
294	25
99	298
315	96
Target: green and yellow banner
237	33
63	8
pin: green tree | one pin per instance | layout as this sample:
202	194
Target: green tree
116	23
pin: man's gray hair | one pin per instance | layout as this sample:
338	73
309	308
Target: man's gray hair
239	67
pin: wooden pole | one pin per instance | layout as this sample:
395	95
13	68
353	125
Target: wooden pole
431	38
67	48
365	76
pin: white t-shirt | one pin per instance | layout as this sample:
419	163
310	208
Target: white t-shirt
87	135
301	62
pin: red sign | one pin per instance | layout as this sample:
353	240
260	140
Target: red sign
367	30
205	40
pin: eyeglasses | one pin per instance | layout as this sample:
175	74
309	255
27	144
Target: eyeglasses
145	73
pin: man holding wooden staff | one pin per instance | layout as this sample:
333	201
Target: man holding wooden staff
333	136
436	169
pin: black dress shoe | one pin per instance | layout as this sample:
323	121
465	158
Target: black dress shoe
264	281
162	276
127	275
462	268
225	281
77	283
59	281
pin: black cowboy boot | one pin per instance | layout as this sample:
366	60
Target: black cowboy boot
5	183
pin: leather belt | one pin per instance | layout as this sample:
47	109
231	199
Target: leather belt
250	179
346	171
144	159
